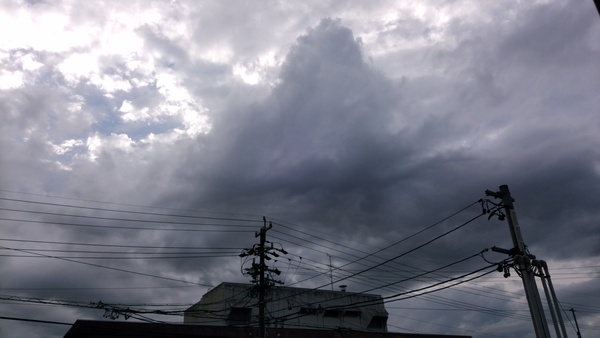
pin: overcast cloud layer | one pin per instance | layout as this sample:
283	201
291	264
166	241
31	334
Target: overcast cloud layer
349	125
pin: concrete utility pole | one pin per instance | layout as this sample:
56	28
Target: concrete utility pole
544	274
523	262
262	288
259	271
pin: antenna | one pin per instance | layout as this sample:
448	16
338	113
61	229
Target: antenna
330	271
577	325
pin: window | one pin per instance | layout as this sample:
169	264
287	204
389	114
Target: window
307	311
332	313
239	316
352	313
378	323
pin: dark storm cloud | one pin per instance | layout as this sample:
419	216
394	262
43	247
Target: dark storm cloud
327	145
326	149
323	149
342	146
329	110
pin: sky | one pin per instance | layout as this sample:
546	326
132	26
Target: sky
142	142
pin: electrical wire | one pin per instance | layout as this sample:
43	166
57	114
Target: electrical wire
363	258
118	227
427	272
46	196
399	296
409	251
444	234
124	219
123	258
390	245
120	246
394	298
107	267
359	258
127	211
407	279
39	321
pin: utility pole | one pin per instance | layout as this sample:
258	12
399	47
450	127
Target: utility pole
259	271
261	284
523	261
576	325
544	274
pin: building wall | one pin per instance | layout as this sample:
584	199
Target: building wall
237	305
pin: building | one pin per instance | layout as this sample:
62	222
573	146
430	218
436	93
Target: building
234	304
230	310
120	329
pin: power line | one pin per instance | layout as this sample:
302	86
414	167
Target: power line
411	250
436	299
114	309
99	288
195	252
336	242
119	227
368	255
410	278
392	298
125	219
46	196
398	256
127	211
413	277
359	258
120	246
460	304
390	245
363	258
427	272
108	267
125	258
34	320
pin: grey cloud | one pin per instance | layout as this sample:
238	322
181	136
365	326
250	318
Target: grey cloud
344	146
320	117
538	39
